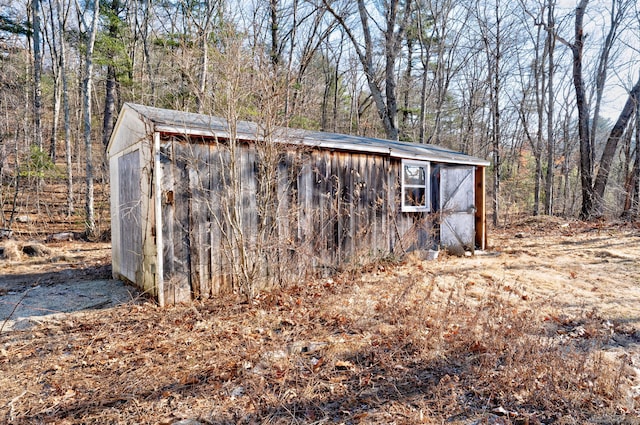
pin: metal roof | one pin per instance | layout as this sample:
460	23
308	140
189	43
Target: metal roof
170	121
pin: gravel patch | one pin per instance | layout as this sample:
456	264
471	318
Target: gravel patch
21	309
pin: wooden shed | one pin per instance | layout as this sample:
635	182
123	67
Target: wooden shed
200	205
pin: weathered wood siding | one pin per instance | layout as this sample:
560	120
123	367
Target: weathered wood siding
130	217
309	211
127	138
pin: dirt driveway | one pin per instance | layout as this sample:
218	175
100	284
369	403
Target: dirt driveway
58	278
575	266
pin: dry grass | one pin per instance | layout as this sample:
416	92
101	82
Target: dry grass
11	251
415	342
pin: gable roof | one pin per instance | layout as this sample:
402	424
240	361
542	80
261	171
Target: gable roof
187	123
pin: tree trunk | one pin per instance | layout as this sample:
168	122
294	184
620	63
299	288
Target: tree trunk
324	107
548	200
204	67
109	104
610	149
57	93
494	55
631	170
392	47
407	84
497	162
616	15
566	167
539	85
36	10
636	170
147	52
537	185
61	18
423	108
425	57
586	165
111	81
53	43
336	78
90	224
273	15
292	45
384	111
205	31
386	104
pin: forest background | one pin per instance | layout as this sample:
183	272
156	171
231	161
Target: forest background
547	90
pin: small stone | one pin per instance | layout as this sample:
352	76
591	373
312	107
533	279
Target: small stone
237	392
62	236
22	325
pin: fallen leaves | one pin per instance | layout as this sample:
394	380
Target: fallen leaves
345	365
448	341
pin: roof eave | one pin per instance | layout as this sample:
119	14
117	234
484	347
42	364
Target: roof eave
349	147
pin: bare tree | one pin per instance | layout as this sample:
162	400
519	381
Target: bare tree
87	87
533	85
36	11
111	81
593	191
490	24
544	94
586	148
548	201
634	186
440	28
611	146
61	12
275	45
617	14
396	19
146	48
630	168
51	36
204	19
309	29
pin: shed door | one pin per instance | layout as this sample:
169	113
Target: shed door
457	208
130	217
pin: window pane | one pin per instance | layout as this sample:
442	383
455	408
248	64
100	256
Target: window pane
414	174
415	197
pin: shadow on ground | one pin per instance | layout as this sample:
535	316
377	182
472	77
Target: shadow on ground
28	298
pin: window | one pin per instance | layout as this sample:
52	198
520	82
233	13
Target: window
415	186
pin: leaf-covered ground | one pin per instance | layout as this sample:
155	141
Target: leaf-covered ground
541	328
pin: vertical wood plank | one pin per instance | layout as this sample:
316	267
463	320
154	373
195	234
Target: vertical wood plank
194	219
347	207
204	235
167	163
215	236
178	287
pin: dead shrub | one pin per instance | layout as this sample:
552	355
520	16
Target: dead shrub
11	251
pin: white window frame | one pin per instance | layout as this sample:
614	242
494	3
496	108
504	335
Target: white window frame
427	186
